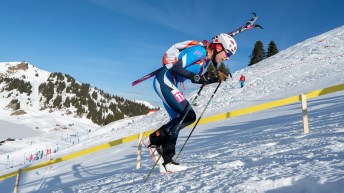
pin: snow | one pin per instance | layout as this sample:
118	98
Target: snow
145	103
14	130
260	152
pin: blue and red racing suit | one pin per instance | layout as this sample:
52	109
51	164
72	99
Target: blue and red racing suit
182	61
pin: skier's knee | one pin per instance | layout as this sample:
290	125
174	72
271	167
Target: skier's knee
191	117
158	137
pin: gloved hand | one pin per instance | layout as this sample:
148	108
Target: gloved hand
212	77
222	76
209	77
215	76
199	79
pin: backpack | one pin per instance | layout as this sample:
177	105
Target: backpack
171	55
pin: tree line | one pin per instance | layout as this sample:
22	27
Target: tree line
62	91
259	54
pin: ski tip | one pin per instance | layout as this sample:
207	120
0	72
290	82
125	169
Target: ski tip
257	25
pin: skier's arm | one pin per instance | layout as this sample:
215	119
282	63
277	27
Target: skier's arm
192	55
180	70
195	78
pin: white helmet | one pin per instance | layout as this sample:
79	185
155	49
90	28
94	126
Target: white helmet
227	42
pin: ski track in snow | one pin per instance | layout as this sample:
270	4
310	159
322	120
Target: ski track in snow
260	152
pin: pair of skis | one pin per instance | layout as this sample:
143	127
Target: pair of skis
247	26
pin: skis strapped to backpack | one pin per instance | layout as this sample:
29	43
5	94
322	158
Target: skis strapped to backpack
145	77
249	25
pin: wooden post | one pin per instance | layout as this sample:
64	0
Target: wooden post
138	162
304	113
16	187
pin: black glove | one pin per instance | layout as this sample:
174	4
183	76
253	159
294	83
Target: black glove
212	77
198	79
206	78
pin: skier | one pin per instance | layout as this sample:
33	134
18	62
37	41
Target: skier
185	60
242	80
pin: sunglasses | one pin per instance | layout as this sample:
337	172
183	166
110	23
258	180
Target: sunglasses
228	53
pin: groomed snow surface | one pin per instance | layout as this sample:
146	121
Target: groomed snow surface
260	152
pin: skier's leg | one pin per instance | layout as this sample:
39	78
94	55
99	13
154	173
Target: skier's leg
162	86
177	106
170	128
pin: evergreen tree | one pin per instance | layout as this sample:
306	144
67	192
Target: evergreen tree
80	110
67	103
272	49
223	69
69	78
58	102
257	53
60	87
84	90
109	119
113	107
95	95
69	89
99	118
211	67
119	116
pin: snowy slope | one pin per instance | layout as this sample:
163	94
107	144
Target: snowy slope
261	152
35	118
41	128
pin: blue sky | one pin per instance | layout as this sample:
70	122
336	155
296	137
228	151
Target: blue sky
109	43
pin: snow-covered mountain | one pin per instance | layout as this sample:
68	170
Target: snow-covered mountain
25	88
261	152
37	103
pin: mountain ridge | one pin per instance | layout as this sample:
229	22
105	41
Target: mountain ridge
25	88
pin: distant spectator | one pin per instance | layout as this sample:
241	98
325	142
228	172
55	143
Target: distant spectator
242	80
29	158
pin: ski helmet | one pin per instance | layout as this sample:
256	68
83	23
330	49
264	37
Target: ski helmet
227	41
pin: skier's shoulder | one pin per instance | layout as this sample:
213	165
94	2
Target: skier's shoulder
196	50
186	44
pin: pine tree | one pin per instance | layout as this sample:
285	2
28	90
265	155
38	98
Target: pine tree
119	116
60	87
80	110
211	67
223	68
272	49
58	102
257	53
109	119
95	95
67	103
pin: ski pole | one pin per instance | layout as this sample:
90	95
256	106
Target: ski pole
180	123
206	106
